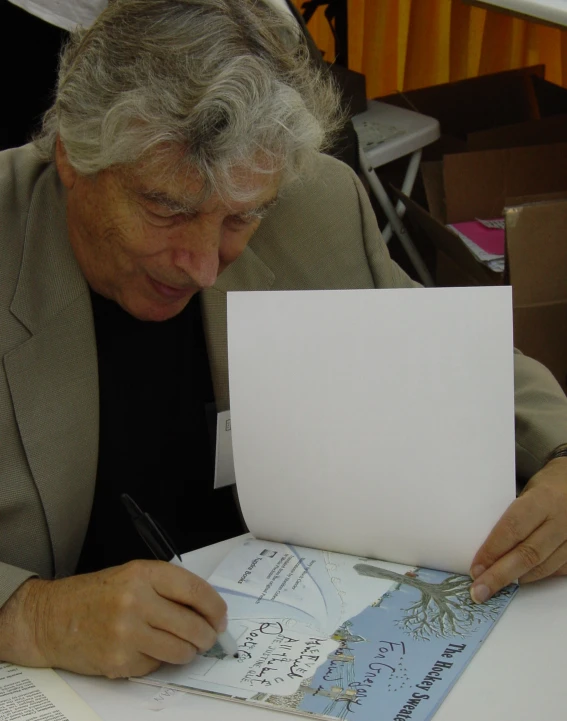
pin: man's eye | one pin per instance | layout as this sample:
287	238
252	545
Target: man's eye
166	217
238	221
243	221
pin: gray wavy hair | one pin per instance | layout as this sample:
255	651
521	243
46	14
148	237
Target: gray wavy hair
228	84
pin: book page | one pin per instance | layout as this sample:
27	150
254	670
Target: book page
36	694
378	423
337	636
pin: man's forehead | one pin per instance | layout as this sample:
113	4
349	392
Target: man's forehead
184	190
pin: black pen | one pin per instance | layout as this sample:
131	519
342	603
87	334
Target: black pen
163	548
155	538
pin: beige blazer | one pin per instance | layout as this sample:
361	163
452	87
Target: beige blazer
323	234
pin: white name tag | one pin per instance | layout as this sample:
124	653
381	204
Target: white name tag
224	461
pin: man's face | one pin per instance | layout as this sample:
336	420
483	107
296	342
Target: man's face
139	242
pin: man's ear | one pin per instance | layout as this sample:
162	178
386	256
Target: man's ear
66	171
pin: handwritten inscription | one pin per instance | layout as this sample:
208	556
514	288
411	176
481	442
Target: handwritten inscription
384	662
250	641
334	669
284	657
308	658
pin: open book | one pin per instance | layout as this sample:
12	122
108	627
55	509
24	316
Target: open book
373	436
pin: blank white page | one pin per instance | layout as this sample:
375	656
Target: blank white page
374	422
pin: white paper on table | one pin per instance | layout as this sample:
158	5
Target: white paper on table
39	694
374	422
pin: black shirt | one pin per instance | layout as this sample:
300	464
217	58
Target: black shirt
155	442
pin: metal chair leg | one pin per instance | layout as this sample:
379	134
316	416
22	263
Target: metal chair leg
407	187
396	223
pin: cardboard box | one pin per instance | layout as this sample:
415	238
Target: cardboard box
537	261
508	109
517	108
476	104
466	186
478	184
551	98
503	145
532	132
481	105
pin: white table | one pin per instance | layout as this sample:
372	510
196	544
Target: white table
519	673
550	11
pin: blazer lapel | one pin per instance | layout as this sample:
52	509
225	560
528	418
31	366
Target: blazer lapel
246	273
53	375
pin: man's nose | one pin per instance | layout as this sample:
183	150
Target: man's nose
201	267
198	254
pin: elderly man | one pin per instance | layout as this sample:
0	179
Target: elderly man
177	127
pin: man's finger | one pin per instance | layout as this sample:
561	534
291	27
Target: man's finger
183	587
140	665
525	556
162	646
550	567
182	622
518	522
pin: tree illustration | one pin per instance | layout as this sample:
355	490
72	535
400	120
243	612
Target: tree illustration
444	609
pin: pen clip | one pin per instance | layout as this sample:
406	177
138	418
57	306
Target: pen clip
155	537
165	538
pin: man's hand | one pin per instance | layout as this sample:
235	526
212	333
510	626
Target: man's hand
122	621
529	542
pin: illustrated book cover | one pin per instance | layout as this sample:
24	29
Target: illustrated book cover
333	636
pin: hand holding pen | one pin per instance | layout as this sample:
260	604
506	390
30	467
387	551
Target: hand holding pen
119	622
163	548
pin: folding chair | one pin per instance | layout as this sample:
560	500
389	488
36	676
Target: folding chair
386	133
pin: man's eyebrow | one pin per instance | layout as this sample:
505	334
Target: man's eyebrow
165	200
176	206
261	209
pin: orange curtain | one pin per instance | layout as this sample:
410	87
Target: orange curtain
408	44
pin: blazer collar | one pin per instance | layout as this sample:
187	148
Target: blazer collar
50	278
248	272
53	375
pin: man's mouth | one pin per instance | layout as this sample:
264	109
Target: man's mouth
170	292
